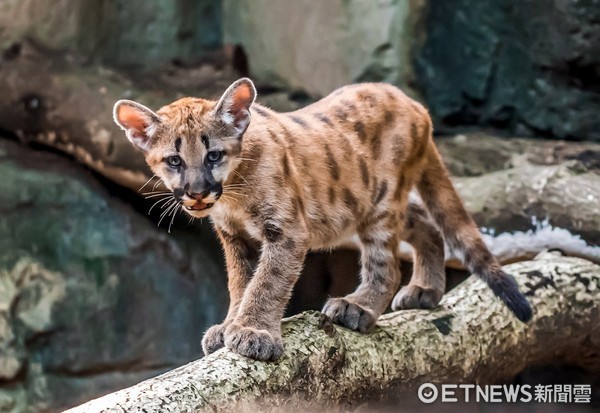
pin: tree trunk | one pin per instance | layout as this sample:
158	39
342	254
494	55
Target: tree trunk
470	338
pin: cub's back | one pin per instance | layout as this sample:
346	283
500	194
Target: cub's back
349	151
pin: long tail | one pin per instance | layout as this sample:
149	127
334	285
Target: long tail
463	237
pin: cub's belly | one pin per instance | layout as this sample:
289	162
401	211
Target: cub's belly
347	240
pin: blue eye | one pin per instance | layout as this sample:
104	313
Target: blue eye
214	156
174	161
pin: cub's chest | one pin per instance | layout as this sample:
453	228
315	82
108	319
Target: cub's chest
236	220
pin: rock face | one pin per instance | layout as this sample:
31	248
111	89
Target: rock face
122	32
531	67
93	297
319	46
514	185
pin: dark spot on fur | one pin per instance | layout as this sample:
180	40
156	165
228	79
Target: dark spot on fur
349	105
177	144
323	119
341	114
367	98
272	232
376	143
248	169
299	121
421	141
359	127
267	286
350	200
331	195
372	220
287	136
347	147
332	164
375	265
261	111
374	183
273	136
397	149
416	210
286	166
255	152
381	192
367	240
411	222
364	171
289	244
388	117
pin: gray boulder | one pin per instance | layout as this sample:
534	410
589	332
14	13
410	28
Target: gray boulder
319	46
530	67
122	32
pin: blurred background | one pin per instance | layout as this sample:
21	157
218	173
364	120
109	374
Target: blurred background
94	296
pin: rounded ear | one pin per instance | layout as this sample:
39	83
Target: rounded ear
234	106
138	122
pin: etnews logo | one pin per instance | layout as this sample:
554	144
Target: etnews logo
554	393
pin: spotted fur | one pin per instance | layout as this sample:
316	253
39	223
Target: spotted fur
340	169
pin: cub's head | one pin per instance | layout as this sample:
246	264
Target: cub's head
192	144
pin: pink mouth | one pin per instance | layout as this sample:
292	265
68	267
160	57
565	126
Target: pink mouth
199	206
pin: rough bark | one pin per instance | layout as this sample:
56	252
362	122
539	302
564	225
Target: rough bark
471	337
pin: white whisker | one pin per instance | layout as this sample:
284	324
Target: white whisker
164	214
173	217
160	181
147	182
159	194
164	201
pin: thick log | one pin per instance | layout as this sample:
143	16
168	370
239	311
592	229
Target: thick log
471	337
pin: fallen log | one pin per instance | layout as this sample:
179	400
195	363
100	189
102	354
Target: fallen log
470	338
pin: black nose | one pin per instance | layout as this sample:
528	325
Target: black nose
178	192
198	195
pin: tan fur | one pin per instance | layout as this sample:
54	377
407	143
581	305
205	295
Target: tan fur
339	169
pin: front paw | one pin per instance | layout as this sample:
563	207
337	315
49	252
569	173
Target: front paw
350	315
214	338
253	343
413	296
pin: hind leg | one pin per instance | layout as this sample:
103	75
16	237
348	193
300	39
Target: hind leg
428	280
380	277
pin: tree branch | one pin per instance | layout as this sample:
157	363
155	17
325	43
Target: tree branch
470	337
